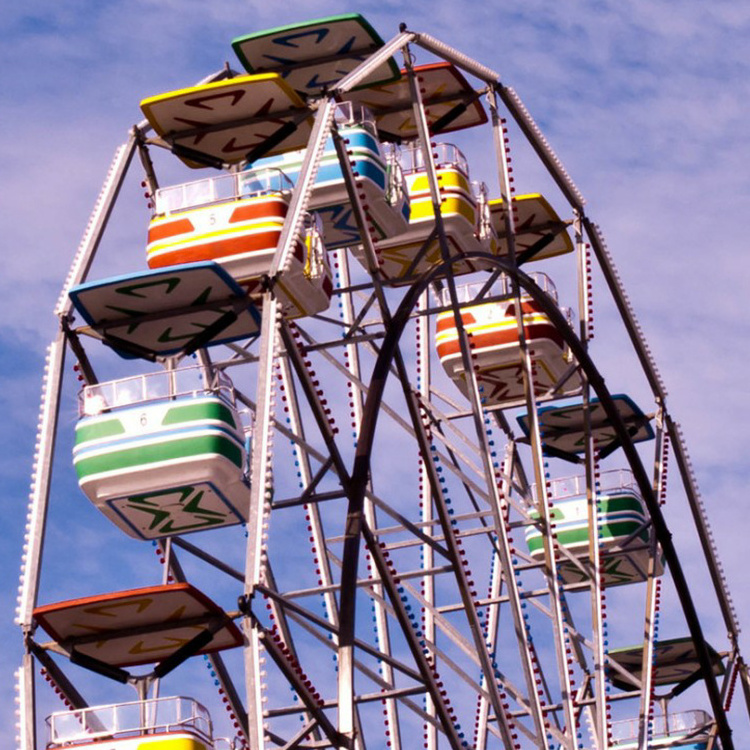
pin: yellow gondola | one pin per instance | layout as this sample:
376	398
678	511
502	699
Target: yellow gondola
158	724
464	209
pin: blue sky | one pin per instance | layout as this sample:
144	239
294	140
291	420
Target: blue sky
646	103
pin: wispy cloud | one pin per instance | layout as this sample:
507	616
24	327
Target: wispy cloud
646	103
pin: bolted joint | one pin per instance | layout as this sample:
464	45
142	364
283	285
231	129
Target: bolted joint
244	604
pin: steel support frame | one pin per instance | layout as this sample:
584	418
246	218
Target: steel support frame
465	589
642	480
270	356
47	432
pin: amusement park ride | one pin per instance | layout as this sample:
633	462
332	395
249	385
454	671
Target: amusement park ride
394	500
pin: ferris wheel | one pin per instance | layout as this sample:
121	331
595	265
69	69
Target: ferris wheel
393	498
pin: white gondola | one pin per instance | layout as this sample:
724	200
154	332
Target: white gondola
496	351
163	453
623	529
377	173
236	220
689	730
